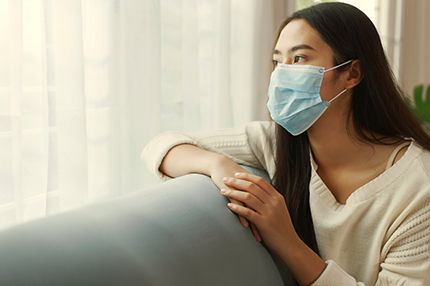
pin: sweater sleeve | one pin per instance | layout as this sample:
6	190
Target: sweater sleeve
406	254
251	145
405	257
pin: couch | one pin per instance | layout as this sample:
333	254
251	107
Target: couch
178	232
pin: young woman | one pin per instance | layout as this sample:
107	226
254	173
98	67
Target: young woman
350	204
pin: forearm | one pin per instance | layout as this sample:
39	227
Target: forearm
249	145
305	265
186	159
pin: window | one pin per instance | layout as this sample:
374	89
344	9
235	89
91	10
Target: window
367	6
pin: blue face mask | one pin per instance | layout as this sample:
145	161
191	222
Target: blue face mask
294	96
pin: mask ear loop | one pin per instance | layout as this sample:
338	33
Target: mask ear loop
345	63
340	93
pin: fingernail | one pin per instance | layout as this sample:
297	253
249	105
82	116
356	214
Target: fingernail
224	191
238	174
230	205
226	179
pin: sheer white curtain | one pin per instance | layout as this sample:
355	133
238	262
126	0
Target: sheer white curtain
404	30
403	25
84	85
216	61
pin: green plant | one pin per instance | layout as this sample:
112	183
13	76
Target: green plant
421	107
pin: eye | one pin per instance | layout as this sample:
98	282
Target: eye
298	59
275	63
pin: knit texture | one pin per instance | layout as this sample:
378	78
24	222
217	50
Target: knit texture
380	236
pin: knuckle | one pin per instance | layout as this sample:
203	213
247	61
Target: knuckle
253	187
278	199
247	197
248	213
259	180
236	202
245	175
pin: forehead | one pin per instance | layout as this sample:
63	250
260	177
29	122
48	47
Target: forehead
299	32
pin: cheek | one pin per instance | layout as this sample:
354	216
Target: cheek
329	87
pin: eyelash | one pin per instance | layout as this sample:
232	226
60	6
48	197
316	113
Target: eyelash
296	60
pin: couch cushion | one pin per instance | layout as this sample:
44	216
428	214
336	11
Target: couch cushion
175	233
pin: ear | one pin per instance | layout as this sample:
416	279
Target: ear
354	75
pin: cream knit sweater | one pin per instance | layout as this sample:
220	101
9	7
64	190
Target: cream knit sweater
381	236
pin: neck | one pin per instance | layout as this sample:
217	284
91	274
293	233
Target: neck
334	148
338	150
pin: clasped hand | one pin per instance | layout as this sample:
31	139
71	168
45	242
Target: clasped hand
263	206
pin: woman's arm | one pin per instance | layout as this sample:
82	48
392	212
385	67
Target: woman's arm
186	159
213	153
249	145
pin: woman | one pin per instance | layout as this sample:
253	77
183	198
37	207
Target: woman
350	164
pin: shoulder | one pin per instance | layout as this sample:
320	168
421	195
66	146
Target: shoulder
409	241
418	160
424	158
250	132
265	128
261	135
414	177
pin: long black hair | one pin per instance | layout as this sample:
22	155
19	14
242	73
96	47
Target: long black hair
377	110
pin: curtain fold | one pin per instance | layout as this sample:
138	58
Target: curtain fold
84	85
70	98
415	69
406	38
141	87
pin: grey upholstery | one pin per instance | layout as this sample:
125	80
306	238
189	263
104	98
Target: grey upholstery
175	233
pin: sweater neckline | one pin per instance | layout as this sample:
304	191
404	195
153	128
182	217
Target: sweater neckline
369	189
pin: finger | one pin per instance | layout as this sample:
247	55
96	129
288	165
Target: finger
243	185
249	214
245	198
256	233
250	187
259	181
242	220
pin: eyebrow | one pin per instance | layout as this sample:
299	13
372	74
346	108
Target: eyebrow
295	48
